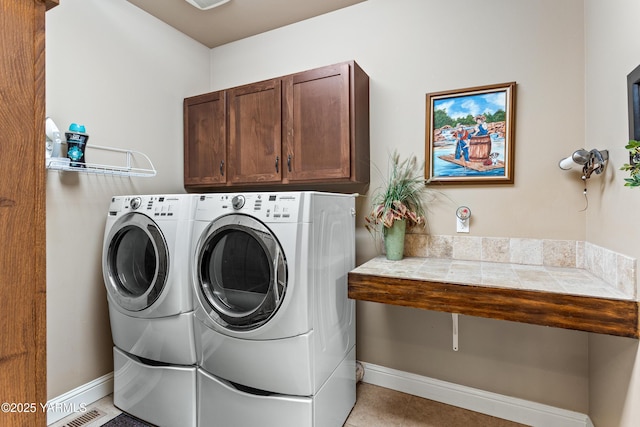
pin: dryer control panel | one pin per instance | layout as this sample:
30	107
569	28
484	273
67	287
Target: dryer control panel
268	207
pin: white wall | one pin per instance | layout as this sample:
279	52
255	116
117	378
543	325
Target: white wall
410	48
612	52
123	74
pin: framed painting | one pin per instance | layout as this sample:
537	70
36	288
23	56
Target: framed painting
633	89
469	135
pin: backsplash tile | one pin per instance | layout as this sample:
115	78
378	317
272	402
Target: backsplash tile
440	247
614	268
495	249
609	266
467	248
525	251
625	273
593	259
559	253
580	254
416	245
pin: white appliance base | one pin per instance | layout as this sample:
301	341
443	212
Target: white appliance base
163	339
163	395
221	403
280	366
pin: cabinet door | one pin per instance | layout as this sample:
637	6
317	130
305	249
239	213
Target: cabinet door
255	138
317	124
205	139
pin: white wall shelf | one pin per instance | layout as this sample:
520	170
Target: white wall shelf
64	164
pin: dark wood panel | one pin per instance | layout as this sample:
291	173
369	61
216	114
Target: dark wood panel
583	313
255	139
360	157
335	186
317	124
205	139
51	3
22	212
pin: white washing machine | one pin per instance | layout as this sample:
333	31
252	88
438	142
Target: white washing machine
275	331
145	265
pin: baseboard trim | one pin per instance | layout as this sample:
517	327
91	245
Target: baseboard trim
497	405
79	399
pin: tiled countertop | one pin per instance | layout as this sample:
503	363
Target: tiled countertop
562	280
562	297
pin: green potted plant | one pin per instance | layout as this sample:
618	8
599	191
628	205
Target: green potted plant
398	204
634	164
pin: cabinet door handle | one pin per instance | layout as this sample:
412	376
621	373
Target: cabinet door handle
277	164
222	167
289	162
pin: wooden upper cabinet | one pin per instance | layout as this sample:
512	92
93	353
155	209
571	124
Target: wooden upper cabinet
326	128
316	124
255	136
305	131
205	139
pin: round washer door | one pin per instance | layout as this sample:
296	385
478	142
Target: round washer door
241	271
135	262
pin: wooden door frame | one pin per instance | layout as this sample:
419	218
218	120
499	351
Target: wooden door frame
23	213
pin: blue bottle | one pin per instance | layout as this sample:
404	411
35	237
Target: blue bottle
76	143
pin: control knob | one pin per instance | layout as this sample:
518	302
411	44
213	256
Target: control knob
237	202
135	203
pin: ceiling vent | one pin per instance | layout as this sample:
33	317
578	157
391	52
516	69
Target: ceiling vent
206	4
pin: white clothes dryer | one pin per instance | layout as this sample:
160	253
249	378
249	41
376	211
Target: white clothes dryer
145	266
272	316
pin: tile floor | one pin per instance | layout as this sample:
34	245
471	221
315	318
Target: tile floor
375	407
381	407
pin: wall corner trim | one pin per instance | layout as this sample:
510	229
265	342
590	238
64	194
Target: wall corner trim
78	399
497	405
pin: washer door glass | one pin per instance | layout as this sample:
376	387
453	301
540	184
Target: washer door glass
241	271
136	262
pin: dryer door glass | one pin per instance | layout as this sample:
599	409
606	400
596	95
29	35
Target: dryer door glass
136	263
242	272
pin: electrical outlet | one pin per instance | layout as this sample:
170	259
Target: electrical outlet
463	216
462	226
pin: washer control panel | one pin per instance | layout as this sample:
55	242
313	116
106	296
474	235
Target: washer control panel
154	206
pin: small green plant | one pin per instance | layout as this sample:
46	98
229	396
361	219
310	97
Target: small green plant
400	197
634	166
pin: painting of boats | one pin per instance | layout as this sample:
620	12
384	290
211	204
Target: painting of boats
469	135
473	165
480	156
486	157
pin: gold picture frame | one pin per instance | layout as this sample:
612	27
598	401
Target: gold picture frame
470	135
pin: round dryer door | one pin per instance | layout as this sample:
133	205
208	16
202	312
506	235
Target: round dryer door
135	262
242	272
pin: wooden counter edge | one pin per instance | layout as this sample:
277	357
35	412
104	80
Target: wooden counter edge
583	313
